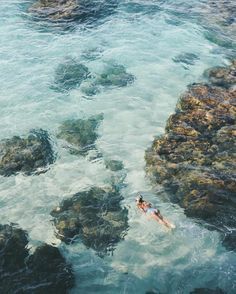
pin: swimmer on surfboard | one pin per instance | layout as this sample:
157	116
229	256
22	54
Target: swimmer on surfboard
147	208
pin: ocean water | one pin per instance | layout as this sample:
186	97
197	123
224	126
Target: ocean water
146	37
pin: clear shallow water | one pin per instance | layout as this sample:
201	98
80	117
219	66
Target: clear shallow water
143	36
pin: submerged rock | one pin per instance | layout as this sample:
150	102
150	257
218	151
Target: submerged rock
13	251
222	76
45	271
95	216
114	165
186	58
70	75
113	75
26	154
195	159
80	133
207	291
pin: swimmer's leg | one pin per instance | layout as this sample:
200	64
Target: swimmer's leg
158	217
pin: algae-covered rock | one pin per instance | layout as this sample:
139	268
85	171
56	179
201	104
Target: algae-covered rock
114	165
45	271
95	216
114	75
26	154
196	157
80	133
222	76
70	75
55	9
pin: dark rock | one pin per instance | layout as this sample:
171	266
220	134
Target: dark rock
95	216
195	158
48	266
26	154
45	271
80	133
114	165
222	76
70	75
186	58
13	251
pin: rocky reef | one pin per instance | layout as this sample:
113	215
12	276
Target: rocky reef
80	133
95	216
222	76
26	154
70	75
45	271
195	159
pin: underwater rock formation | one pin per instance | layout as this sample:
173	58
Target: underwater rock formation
70	75
26	154
72	10
222	76
55	9
45	271
95	216
80	133
186	58
196	157
113	75
114	165
207	291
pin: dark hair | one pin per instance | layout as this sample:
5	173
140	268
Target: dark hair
140	199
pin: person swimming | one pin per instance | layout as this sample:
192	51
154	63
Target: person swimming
147	208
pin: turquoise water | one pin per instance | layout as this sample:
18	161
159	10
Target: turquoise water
145	37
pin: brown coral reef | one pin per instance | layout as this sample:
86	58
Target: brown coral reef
195	158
